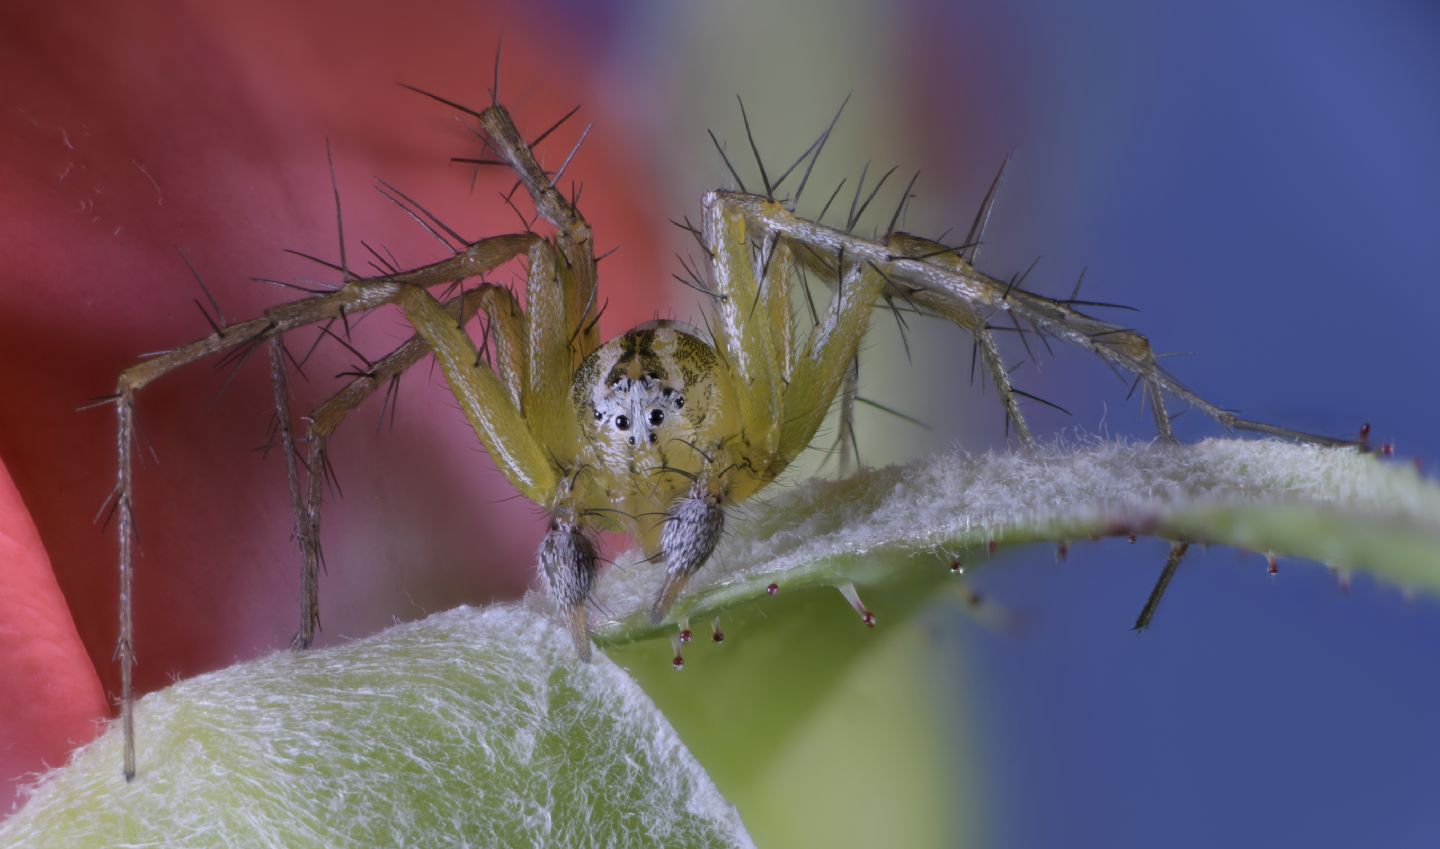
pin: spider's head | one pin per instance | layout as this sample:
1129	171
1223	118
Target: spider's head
650	399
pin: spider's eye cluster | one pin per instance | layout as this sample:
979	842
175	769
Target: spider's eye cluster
648	407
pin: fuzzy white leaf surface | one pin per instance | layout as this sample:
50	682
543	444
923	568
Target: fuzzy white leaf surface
1339	506
472	728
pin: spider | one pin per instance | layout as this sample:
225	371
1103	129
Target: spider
655	433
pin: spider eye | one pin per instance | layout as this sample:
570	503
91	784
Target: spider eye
654	438
622	422
657	416
679	402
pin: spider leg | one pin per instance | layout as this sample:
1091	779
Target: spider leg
536	429
499	305
573	240
845	441
948	280
902	244
356	296
753	328
546	402
124	498
782	392
500	425
306	527
957	311
825	361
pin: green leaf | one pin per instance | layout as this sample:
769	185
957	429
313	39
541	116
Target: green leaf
481	728
824	732
1337	506
470	728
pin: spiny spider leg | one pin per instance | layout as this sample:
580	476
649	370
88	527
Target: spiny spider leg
304	528
949	281
125	647
502	311
357	295
529	424
573	239
845	440
779	400
1172	563
532	442
958	313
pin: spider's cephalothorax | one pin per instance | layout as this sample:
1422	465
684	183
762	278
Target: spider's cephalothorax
656	410
659	431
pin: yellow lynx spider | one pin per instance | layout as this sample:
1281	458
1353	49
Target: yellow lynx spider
657	432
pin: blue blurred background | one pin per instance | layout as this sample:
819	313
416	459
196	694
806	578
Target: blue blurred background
1261	181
